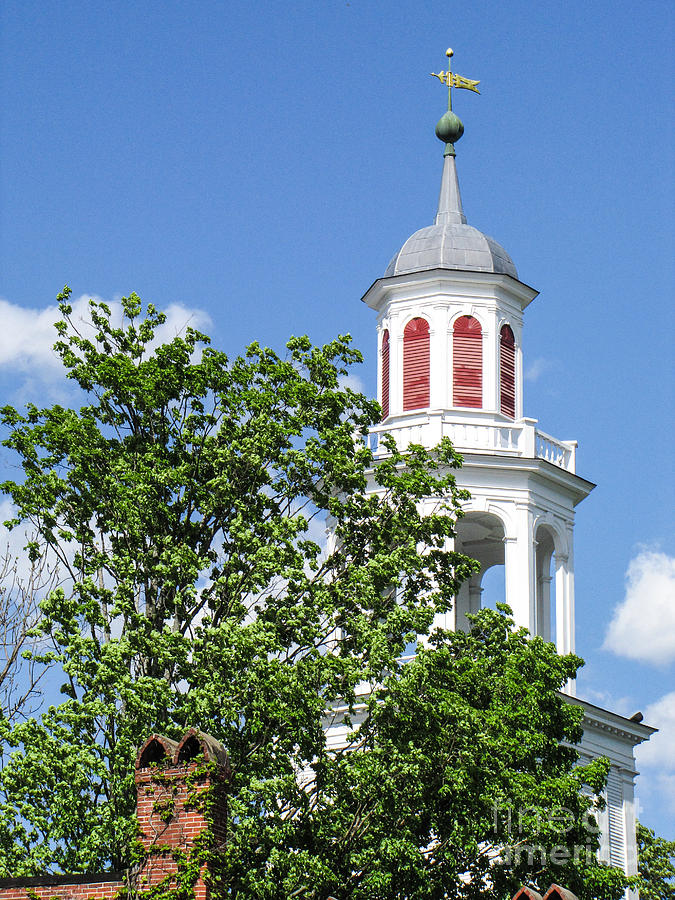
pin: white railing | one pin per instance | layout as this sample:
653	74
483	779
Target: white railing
471	435
560	453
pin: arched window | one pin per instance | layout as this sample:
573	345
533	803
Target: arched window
467	363
385	374
507	372
416	364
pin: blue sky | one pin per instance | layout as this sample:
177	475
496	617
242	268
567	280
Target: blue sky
256	166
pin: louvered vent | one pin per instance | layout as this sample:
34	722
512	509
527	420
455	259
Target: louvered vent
615	817
385	374
507	372
416	364
467	363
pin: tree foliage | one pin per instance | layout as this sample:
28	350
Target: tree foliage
185	503
656	865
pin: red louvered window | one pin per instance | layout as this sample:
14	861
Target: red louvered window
467	363
507	372
416	364
385	374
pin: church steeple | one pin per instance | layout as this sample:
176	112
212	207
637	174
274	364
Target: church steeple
450	330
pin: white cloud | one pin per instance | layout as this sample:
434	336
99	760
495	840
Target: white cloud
16	570
351	381
537	368
656	758
643	626
28	335
659	750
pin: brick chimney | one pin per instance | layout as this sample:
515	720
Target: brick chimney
181	791
527	893
555	892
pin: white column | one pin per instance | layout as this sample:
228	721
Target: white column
564	602
544	606
564	611
570	617
462	607
520	569
475	594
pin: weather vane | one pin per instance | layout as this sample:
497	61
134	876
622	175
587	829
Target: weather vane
454	81
450	128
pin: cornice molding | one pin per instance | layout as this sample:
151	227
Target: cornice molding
456	282
608	722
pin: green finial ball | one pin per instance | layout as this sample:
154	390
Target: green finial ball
449	128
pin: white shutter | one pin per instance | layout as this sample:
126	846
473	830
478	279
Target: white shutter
616	820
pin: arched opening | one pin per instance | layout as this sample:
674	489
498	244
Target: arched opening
493	586
481	536
507	372
467	363
190	750
416	364
385	374
153	753
545	625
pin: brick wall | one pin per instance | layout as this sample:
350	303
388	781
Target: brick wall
66	887
181	799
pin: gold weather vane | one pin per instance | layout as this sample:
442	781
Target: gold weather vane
449	127
454	81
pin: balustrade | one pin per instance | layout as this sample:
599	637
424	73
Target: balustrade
521	439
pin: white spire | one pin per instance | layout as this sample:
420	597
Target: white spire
450	210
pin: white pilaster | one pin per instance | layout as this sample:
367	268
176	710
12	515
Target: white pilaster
395	365
437	358
518	334
491	364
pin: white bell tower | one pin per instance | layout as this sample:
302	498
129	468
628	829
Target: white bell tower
450	325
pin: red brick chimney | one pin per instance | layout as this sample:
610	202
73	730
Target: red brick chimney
527	893
555	892
181	809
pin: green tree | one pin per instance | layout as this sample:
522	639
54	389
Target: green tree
182	503
656	865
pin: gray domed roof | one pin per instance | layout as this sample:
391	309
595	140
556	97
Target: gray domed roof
450	243
451	246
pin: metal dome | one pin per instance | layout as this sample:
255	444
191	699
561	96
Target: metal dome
451	246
